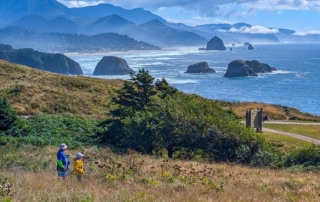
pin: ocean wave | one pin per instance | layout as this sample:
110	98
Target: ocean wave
281	72
180	81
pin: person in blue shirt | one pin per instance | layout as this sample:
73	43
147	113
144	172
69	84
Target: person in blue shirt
62	162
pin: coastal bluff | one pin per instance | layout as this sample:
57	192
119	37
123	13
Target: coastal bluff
240	68
56	63
111	65
215	44
200	67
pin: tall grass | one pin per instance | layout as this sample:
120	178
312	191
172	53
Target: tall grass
158	180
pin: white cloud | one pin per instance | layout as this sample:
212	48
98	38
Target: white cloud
208	7
306	33
80	3
254	30
199	21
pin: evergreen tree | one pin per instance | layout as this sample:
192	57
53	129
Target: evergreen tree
164	88
135	94
7	115
144	83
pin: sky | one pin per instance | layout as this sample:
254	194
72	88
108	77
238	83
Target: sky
300	15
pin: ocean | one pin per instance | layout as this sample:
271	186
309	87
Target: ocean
296	83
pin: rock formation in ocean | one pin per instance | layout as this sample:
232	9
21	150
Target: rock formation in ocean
250	47
247	44
215	44
111	65
238	68
201	67
258	67
57	63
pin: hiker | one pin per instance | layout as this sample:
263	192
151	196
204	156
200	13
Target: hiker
78	166
62	162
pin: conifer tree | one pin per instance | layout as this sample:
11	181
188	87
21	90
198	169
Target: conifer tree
7	115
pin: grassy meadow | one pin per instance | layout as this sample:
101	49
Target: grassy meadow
133	177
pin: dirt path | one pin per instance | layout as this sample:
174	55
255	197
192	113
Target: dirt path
297	136
292	123
300	137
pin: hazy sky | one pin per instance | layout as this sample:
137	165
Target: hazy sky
300	15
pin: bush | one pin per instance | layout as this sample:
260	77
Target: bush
42	129
308	156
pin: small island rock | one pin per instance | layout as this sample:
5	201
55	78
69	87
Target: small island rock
250	47
201	67
111	65
247	44
258	67
240	68
215	44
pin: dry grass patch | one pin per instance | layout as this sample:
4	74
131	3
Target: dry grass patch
31	91
133	177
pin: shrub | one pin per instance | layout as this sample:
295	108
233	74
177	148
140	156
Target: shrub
42	129
308	156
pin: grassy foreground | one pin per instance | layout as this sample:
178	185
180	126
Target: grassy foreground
132	177
32	91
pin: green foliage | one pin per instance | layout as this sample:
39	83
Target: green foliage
308	156
175	121
42	129
135	95
164	88
8	116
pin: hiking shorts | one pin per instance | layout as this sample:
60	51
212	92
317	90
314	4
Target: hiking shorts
62	173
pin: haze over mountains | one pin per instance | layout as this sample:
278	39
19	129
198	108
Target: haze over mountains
44	17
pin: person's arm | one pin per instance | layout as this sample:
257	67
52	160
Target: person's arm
59	162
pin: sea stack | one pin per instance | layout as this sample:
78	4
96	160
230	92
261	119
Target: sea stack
240	68
201	67
56	63
215	44
111	65
259	67
250	47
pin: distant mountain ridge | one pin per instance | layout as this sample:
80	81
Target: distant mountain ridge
58	24
21	37
140	24
12	10
137	15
